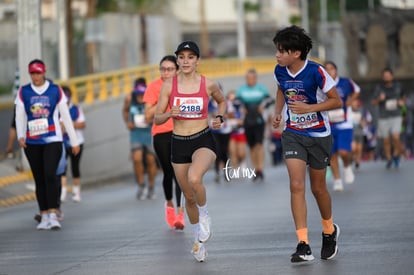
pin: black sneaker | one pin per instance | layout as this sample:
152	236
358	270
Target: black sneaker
389	164
396	161
37	217
329	247
303	253
259	177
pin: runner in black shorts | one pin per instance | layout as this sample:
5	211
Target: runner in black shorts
193	149
183	147
253	96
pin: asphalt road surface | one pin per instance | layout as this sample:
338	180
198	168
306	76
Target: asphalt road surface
110	232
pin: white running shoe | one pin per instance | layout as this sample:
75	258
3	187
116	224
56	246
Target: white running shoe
76	194
199	251
63	194
76	198
151	193
54	223
338	186
204	232
141	193
59	215
44	223
349	176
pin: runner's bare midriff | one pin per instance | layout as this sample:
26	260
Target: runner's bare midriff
189	127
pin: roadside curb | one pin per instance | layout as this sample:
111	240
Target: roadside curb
18	199
6	103
27	176
15	179
20	177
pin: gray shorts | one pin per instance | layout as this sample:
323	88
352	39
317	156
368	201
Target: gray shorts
358	135
315	151
138	146
389	126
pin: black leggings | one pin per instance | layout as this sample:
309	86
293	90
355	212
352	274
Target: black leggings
44	160
222	141
162	147
74	161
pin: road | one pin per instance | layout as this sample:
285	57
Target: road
110	232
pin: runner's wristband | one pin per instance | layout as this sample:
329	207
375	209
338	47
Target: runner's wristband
220	117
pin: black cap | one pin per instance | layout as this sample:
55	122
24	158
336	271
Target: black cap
188	45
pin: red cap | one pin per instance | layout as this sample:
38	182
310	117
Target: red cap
37	68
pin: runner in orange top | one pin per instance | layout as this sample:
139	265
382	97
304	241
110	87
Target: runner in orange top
162	143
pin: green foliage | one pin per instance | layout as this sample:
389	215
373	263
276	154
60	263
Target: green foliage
295	19
360	5
333	8
106	6
128	6
6	89
251	7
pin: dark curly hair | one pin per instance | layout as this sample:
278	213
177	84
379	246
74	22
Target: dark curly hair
293	38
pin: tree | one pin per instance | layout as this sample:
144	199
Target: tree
69	32
90	46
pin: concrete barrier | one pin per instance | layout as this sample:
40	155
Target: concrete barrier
106	148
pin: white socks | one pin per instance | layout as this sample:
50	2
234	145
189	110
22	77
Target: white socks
202	210
195	228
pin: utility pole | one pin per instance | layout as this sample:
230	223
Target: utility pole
90	46
205	47
241	30
69	32
29	45
305	15
29	33
62	35
323	29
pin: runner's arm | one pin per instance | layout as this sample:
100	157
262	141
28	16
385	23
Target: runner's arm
160	115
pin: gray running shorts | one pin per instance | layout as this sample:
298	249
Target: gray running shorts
388	126
315	151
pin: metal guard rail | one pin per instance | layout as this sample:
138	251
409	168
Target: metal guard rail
102	86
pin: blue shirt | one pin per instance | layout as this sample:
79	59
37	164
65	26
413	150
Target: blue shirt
345	88
74	112
252	94
42	115
252	97
141	133
309	85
